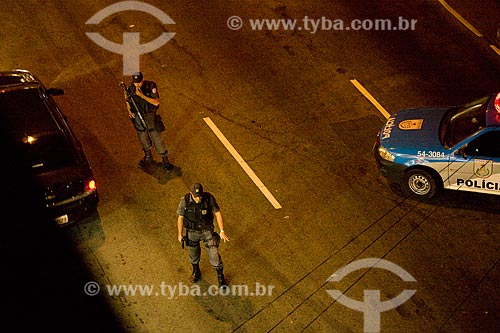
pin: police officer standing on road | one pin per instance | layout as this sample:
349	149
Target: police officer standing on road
145	96
196	214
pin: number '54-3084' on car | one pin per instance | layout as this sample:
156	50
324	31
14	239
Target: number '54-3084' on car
424	150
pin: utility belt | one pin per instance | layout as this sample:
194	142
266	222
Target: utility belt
210	242
198	226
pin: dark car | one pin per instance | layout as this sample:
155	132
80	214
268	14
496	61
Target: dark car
41	137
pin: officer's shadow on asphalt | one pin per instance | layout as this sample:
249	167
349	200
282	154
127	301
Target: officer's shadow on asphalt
225	306
156	170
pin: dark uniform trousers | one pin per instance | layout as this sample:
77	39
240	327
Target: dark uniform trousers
211	241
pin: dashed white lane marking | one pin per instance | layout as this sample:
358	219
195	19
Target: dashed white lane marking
242	163
467	24
370	98
460	18
496	49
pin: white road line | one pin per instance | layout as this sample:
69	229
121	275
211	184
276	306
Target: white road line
370	98
242	163
496	49
460	18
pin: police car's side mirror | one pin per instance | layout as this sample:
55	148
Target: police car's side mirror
461	152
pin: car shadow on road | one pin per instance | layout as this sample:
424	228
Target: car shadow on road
486	203
86	234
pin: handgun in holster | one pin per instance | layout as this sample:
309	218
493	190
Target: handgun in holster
185	240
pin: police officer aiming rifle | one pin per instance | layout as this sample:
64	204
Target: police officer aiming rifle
142	99
133	108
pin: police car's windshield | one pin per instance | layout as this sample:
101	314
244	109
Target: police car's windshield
463	121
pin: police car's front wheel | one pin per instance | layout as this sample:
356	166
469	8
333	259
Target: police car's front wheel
419	183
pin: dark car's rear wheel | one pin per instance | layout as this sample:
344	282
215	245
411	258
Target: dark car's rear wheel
419	183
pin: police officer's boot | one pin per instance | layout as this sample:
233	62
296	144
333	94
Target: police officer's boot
220	277
196	275
167	167
147	159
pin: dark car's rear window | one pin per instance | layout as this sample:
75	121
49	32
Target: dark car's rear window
25	112
40	142
48	152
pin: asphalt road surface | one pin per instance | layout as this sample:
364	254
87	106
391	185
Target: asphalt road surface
285	101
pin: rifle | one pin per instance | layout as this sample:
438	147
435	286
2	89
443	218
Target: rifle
131	100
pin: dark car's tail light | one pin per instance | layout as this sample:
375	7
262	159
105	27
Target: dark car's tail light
90	185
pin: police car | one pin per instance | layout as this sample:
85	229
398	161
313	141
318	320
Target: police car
427	149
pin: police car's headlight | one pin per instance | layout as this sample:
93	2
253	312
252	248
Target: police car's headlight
385	154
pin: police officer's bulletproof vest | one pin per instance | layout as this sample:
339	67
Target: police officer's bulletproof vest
198	216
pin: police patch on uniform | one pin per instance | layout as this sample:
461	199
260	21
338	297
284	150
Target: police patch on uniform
203	212
410	124
483	168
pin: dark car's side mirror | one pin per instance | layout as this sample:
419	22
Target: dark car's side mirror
55	91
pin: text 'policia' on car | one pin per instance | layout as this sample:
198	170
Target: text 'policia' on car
455	148
42	137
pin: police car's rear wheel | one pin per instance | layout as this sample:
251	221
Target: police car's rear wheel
419	183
